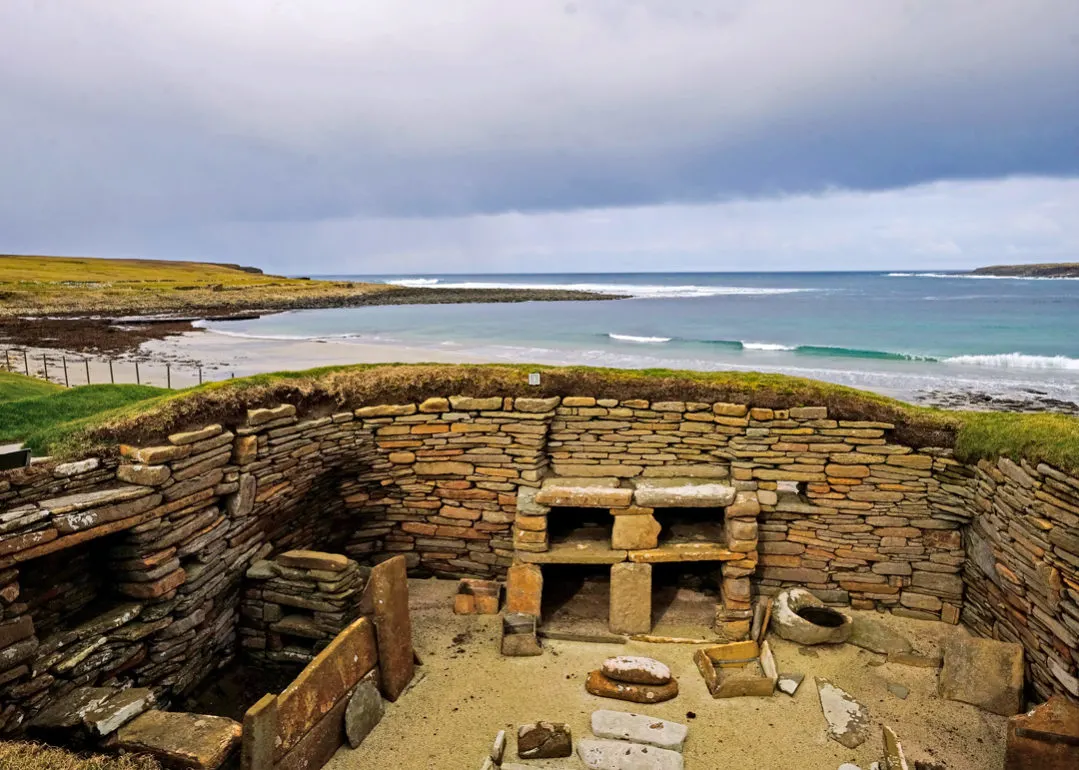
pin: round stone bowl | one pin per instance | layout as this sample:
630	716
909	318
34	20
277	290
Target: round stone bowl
799	616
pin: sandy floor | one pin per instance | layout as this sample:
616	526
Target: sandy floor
469	692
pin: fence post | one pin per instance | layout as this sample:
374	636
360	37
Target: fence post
168	376
200	375
137	380
26	363
7	356
45	359
67	382
112	376
87	362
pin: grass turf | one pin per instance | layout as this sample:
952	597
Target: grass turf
128	413
15	386
44	421
21	755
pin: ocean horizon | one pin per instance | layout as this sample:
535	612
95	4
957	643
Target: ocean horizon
900	332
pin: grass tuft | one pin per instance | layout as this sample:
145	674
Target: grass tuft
20	755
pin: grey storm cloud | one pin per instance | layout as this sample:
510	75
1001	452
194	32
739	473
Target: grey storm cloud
179	125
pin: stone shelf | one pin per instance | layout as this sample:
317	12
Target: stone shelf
618	493
676	552
591	546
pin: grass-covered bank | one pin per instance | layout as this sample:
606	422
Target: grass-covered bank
43	416
20	755
14	387
70	424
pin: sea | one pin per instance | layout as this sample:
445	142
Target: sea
904	334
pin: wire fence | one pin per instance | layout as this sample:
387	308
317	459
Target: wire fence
74	371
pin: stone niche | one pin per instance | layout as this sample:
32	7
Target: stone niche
610	535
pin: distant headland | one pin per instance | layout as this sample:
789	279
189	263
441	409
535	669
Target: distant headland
1046	270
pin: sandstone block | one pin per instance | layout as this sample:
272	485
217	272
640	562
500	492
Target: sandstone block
634	669
639	728
192	436
388	586
331	562
524	589
536	404
1046	737
386	410
544	740
143	475
445	468
600	754
982	672
630	598
635	532
180	739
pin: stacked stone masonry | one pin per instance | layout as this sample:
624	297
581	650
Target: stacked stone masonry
845	510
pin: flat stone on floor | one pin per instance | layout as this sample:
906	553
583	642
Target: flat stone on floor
639	728
544	740
179	739
848	720
601	754
983	672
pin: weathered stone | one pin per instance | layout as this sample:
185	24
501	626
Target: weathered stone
388	586
789	683
633	669
470	404
544	740
519	636
263	416
498	747
324	684
801	617
584	493
600	685
144	475
386	410
639	728
682	493
600	754
364	711
871	634
982	672
67	470
330	562
536	404
524	589
630	598
894	758
448	468
635	532
1046	737
848	720
179	739
190	437
119	709
245	450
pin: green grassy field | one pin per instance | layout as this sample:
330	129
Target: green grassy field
14	387
66	285
42	416
71	423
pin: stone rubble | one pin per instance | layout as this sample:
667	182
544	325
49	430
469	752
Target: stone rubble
544	740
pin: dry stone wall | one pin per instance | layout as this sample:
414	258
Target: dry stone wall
847	510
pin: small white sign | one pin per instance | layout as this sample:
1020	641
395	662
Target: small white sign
534	378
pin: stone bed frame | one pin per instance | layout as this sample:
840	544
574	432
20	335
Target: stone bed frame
845	510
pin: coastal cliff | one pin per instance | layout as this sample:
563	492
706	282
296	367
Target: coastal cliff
1046	270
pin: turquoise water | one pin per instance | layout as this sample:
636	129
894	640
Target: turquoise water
897	333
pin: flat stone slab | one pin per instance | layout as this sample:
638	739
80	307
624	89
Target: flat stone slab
848	720
685	552
682	493
601	754
872	635
983	672
639	728
181	740
592	552
584	493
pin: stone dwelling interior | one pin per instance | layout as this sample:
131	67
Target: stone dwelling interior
342	558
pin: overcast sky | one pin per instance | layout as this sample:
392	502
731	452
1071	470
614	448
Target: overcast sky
363	136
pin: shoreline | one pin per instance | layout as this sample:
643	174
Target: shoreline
120	332
183	360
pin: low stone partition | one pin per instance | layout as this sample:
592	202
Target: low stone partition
862	512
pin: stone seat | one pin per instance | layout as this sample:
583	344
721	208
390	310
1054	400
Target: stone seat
178	739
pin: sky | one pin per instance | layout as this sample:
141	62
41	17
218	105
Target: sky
362	136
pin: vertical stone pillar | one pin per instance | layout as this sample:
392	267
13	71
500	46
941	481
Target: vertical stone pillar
524	589
631	598
735	613
530	523
635	528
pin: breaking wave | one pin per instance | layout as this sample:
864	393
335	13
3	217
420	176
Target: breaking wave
640	291
634	338
1017	361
